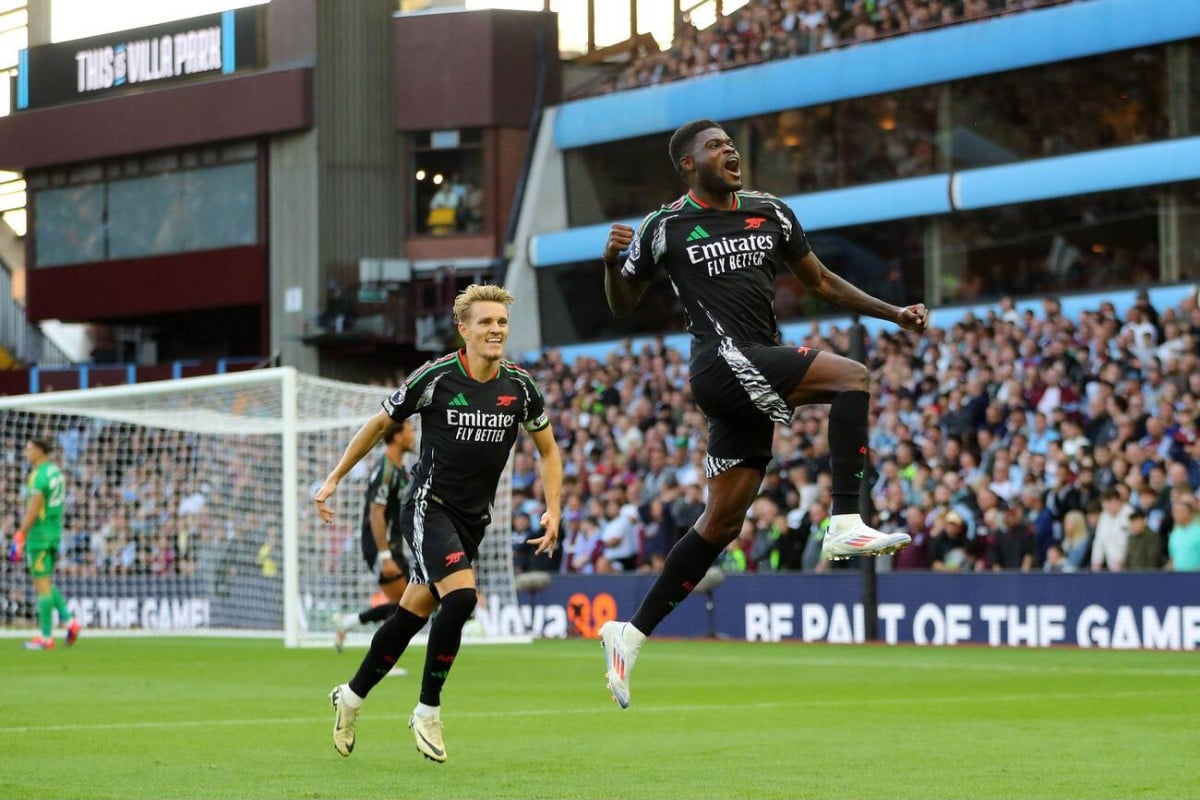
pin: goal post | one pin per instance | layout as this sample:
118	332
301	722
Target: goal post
189	506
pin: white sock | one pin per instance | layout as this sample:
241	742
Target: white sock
350	698
633	637
843	521
429	712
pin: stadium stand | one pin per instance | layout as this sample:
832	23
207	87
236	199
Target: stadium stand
766	30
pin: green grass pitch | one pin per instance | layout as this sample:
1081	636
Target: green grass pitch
216	718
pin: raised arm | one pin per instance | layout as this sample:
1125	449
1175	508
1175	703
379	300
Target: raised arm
833	289
623	293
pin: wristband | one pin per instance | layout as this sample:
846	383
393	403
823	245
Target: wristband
384	555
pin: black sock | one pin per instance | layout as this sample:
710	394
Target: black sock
378	614
445	635
386	647
848	448
686	564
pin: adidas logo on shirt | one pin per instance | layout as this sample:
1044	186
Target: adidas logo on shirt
459	400
697	233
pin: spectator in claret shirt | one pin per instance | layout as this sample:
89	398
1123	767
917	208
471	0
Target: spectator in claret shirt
916	555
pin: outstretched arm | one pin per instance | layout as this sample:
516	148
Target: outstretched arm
832	289
362	442
623	293
552	476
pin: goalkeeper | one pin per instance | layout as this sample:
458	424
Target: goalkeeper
40	534
382	546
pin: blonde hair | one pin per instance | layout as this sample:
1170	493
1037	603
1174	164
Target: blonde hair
479	292
1075	528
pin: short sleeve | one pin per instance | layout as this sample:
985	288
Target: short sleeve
377	490
794	244
412	395
535	418
642	258
41	483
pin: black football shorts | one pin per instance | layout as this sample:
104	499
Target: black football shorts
743	390
440	542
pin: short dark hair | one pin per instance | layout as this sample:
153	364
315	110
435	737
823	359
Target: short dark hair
392	432
42	444
681	140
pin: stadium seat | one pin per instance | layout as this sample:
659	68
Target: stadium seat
442	221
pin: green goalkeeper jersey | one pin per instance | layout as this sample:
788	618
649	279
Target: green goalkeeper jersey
47	480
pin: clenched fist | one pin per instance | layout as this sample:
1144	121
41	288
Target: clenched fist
620	237
913	318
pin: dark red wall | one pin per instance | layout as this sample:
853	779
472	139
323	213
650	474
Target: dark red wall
235	276
237	107
473	69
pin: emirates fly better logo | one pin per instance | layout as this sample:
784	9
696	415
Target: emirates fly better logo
732	252
479	426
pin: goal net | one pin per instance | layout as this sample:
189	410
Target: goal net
189	506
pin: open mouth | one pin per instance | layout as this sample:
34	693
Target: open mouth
733	167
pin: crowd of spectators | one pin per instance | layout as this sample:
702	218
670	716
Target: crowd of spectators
1015	441
765	30
149	502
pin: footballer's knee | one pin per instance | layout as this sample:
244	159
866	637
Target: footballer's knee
854	377
720	528
459	604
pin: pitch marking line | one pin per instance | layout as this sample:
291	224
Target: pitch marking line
605	709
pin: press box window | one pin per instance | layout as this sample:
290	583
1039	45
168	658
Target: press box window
447	182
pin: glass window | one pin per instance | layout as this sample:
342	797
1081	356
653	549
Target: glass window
171	212
69	225
618	180
1079	243
885	259
1189	231
447	187
865	140
572	307
1193	88
1089	104
182	211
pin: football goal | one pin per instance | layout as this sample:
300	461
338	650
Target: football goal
189	506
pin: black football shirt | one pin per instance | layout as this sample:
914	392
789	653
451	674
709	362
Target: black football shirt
385	488
722	263
468	428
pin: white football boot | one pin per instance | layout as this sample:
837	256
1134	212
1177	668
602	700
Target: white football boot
344	719
428	733
849	536
621	643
